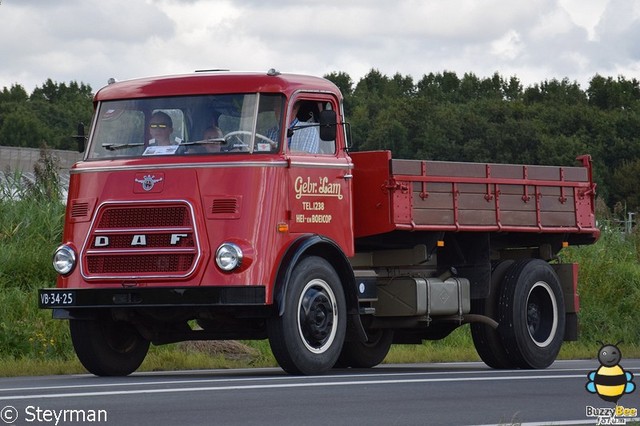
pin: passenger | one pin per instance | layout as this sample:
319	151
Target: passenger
303	139
211	134
274	132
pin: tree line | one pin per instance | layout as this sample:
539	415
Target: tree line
447	117
442	116
46	117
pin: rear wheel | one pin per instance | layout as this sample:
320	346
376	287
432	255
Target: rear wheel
308	337
108	348
531	314
367	354
486	339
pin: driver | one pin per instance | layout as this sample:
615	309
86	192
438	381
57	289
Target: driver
160	129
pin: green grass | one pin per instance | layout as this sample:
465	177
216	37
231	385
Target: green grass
31	343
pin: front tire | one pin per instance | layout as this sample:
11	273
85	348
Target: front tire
308	337
531	312
108	348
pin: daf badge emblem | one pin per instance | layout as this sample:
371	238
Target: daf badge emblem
148	181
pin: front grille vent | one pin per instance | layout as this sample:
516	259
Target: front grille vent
145	217
79	209
224	206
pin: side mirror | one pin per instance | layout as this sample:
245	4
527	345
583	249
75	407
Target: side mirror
80	137
328	125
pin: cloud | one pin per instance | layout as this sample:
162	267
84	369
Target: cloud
92	40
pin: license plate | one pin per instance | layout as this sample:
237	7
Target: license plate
49	298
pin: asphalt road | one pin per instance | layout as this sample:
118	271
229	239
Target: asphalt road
417	394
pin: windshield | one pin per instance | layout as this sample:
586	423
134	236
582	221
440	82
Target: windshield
187	125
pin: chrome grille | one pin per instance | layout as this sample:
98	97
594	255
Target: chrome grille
141	240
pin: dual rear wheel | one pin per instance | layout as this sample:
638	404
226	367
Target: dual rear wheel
527	301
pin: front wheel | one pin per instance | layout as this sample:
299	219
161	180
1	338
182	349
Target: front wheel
531	314
108	348
308	337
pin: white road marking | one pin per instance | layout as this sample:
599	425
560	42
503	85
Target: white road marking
283	386
277	378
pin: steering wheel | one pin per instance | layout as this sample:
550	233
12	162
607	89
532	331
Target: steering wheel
235	135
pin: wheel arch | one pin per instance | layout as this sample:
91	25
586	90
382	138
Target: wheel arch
315	245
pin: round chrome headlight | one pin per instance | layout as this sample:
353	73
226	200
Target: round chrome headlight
64	260
228	256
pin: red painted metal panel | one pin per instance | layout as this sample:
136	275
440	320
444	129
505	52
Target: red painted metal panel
213	83
371	193
450	196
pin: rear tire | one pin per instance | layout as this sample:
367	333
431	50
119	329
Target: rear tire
108	348
487	340
532	317
367	354
308	337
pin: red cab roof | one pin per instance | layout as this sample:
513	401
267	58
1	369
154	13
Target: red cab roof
202	83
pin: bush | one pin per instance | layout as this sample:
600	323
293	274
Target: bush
609	287
26	331
30	228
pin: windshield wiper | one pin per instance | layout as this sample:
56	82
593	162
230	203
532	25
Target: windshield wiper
212	141
117	146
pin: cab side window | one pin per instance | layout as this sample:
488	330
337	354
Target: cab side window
304	128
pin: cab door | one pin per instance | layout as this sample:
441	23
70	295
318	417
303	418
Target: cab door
319	173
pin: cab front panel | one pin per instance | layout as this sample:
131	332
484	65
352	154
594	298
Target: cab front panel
156	225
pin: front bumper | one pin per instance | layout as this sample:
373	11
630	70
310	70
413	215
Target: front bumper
54	298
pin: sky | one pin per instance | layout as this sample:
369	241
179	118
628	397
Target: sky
90	41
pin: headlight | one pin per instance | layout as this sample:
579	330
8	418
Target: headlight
228	256
64	260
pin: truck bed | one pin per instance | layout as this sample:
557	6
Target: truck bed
415	195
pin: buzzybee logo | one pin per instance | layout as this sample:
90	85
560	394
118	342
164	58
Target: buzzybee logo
610	382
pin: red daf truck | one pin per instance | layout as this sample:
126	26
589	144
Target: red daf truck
224	205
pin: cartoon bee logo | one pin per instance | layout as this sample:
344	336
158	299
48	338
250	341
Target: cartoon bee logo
610	381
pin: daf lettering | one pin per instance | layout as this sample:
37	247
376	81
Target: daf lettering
101	241
175	238
139	240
